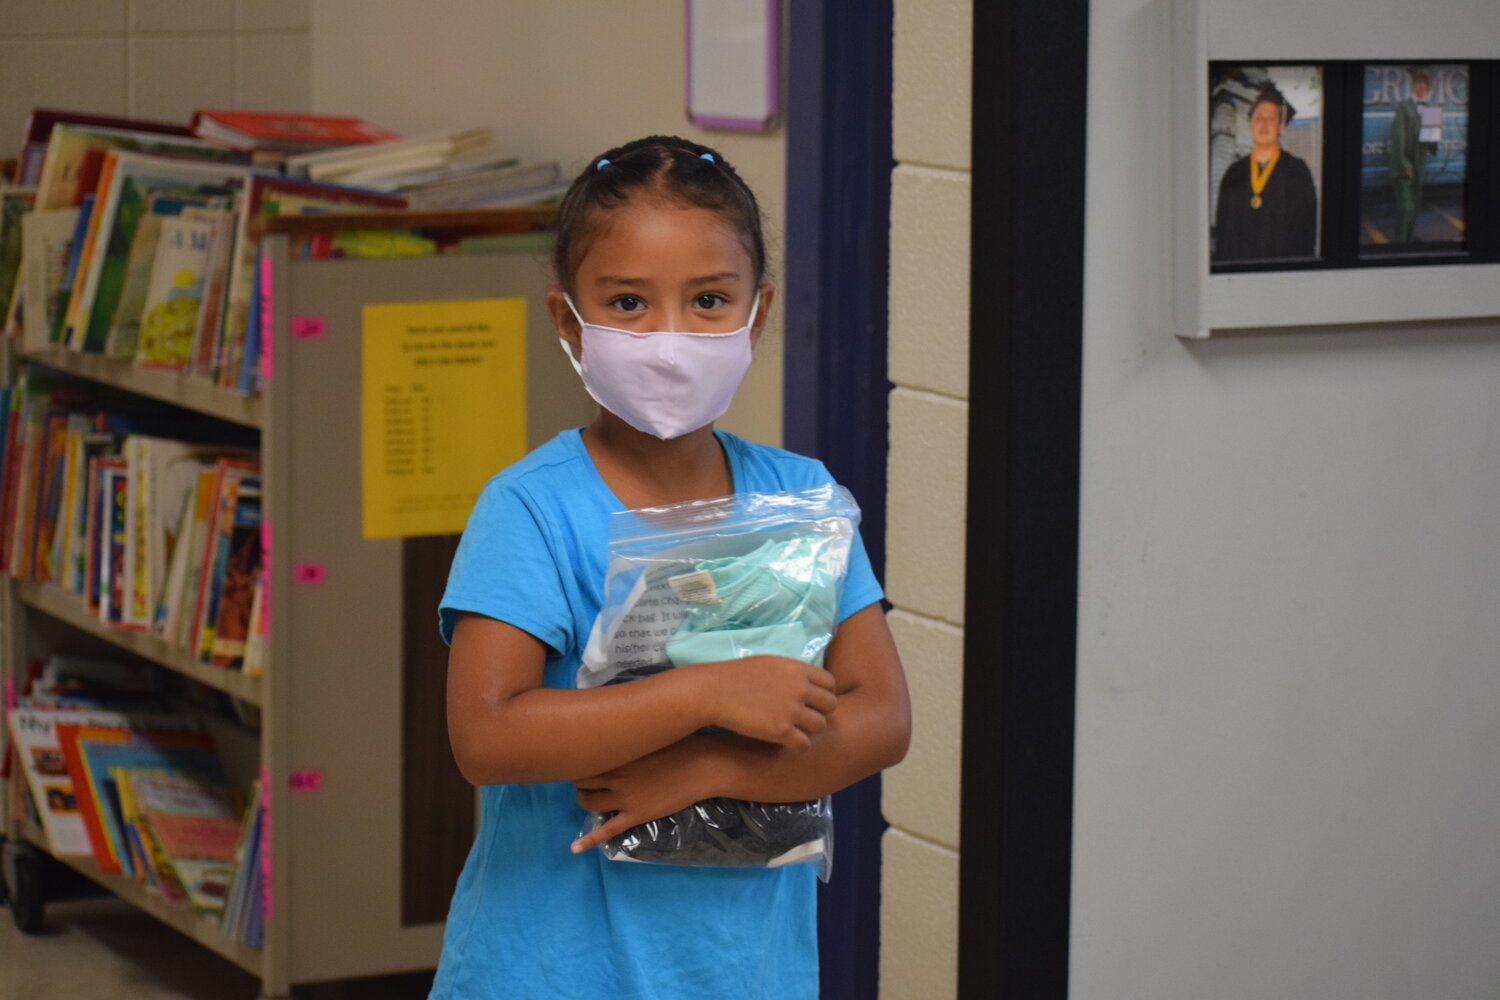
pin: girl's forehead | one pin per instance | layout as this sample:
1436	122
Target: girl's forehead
649	237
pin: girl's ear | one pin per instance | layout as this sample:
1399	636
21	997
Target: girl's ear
565	322
767	299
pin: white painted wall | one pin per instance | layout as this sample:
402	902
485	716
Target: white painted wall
1288	750
562	80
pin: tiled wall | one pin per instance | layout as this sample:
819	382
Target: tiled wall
929	363
150	58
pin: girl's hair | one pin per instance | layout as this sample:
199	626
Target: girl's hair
662	166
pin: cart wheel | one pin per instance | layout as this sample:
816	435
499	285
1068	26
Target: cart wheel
26	897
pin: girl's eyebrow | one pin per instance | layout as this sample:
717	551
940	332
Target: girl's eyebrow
707	279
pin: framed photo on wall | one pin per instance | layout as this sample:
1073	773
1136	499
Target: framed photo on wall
1266	163
1414	159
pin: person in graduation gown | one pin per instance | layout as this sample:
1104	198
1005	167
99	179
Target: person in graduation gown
1268	206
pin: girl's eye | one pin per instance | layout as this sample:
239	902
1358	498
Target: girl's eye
628	303
708	300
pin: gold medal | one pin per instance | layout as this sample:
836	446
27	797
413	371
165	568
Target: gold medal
1260	175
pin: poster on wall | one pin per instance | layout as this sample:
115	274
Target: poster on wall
1414	157
1265	156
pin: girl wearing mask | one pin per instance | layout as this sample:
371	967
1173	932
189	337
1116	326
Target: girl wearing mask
661	296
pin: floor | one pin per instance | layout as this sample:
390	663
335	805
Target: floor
104	948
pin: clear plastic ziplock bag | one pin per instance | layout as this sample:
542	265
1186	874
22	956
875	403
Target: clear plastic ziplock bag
723	579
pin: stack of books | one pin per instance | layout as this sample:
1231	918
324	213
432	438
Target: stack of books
466	168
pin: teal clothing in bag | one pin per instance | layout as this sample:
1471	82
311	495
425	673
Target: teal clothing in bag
531	921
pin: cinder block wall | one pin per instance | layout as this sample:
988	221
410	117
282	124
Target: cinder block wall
929	363
150	58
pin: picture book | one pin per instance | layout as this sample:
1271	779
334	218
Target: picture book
233	617
238	518
113	530
270	196
97	551
152	866
178	276
186	542
194	823
118	203
46	238
69	143
124	333
15	203
90	752
40	122
286	132
62	301
210	321
34	733
229	472
164	476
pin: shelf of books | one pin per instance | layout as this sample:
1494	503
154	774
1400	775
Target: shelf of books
201	927
245	419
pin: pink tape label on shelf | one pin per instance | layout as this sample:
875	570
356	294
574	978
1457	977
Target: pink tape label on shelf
309	573
265	842
306	781
307	327
266	326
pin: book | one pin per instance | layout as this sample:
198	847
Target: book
46	239
286	132
118	204
228	472
265	197
91	752
174	297
15	204
63	300
163	473
40	121
239	502
34	732
358	164
69	144
123	338
193	821
234	613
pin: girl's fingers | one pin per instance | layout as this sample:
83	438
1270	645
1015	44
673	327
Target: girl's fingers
821	700
822	678
809	721
615	825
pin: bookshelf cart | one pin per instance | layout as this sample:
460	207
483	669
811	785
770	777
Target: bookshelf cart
369	820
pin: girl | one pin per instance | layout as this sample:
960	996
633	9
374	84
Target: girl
661	294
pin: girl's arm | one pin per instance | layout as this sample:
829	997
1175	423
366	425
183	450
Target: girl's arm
505	727
868	731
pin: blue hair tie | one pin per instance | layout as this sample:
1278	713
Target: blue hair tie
707	156
601	164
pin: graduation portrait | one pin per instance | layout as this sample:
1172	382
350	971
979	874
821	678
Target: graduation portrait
1413	158
1265	162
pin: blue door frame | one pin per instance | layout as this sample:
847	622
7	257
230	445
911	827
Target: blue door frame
839	161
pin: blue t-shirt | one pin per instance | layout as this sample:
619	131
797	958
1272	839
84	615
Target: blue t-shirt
531	921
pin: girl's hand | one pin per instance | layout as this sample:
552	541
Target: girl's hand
771	698
657	785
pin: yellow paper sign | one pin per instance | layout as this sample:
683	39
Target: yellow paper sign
444	408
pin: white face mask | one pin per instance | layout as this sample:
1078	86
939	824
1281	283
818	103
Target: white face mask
663	383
